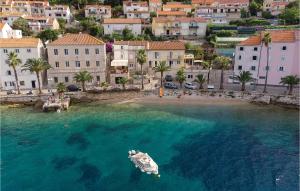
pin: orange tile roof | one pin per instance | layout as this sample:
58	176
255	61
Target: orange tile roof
155	1
171	13
122	21
2	25
202	2
76	39
166	45
97	6
179	19
276	36
177	5
140	3
19	42
232	1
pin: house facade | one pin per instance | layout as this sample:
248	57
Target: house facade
58	12
98	11
183	26
9	18
117	25
7	32
275	7
137	9
25	48
155	5
251	55
73	53
125	53
28	7
39	23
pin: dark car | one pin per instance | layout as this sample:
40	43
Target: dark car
169	78
170	85
73	88
10	92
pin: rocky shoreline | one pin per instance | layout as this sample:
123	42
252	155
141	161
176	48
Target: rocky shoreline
285	101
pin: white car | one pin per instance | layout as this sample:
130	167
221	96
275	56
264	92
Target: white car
189	85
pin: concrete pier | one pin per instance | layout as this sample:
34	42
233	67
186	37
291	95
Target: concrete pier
57	104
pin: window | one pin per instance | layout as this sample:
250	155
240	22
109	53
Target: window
240	67
22	83
98	78
55	80
156	54
17	50
240	57
66	51
97	51
241	48
97	63
67	64
56	64
281	68
190	76
9	72
122	47
76	51
262	77
87	51
150	63
255	49
284	48
28	50
155	63
77	64
5	83
5	50
87	63
66	79
55	52
170	63
254	57
253	68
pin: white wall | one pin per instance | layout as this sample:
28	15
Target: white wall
118	28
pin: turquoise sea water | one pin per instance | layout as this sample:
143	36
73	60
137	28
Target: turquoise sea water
197	148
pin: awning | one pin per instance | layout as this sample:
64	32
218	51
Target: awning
119	63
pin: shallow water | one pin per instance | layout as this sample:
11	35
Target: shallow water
201	148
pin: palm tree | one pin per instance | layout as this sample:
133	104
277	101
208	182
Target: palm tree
14	61
82	77
161	67
267	40
36	65
180	76
291	81
61	88
141	59
200	80
244	77
223	63
207	65
123	81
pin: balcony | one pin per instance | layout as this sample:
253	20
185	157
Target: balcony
118	70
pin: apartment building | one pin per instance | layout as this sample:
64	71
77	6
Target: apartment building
58	12
98	11
7	32
155	5
275	7
181	26
28	7
221	11
73	53
201	3
9	18
177	6
251	55
39	23
117	25
137	9
25	48
125	53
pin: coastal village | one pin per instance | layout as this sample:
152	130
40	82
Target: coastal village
230	48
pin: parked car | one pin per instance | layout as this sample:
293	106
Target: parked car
170	85
10	92
210	87
169	78
189	85
73	88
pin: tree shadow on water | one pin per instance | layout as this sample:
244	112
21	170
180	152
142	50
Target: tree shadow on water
90	176
61	163
79	140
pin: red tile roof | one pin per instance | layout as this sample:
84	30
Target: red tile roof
19	42
122	21
76	39
171	13
179	19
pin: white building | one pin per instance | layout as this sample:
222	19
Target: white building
98	11
26	48
9	18
28	7
117	25
137	9
182	26
155	5
39	23
7	32
58	12
73	53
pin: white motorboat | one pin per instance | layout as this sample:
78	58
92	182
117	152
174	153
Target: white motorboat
144	162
